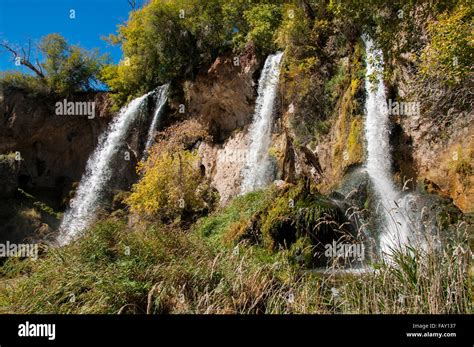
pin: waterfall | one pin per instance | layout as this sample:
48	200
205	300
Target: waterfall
161	97
258	169
394	225
98	172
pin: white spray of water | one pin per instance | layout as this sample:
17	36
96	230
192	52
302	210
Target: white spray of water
98	173
257	172
161	97
395	229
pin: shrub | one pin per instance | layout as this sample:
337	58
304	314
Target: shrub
171	186
17	80
171	183
450	53
263	20
162	41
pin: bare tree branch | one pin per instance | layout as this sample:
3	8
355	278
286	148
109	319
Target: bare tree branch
132	3
24	59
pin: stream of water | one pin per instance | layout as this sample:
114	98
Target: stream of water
258	171
394	231
99	171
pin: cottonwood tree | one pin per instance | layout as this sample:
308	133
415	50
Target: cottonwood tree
23	56
64	68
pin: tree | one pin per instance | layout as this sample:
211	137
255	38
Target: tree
65	68
172	40
22	57
450	53
263	20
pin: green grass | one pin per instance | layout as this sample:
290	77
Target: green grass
241	208
165	271
156	268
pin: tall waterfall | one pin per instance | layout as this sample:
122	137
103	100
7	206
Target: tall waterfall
98	172
161	97
257	171
394	225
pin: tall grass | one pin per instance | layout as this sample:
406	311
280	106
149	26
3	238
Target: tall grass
157	269
434	279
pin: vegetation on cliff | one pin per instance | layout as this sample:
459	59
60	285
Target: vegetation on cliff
172	184
64	68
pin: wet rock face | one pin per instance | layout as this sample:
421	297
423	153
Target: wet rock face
437	144
444	156
54	148
223	164
223	101
223	98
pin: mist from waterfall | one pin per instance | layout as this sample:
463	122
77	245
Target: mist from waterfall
161	97
98	172
258	171
379	166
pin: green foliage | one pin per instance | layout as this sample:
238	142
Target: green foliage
66	69
114	269
355	141
302	252
20	81
450	53
171	187
165	40
171	184
336	85
69	68
171	40
241	208
298	213
273	218
263	20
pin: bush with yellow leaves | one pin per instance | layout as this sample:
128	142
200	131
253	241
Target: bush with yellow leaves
172	185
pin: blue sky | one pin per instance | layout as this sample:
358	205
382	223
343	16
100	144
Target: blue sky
23	20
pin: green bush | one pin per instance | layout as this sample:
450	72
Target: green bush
11	80
263	20
450	53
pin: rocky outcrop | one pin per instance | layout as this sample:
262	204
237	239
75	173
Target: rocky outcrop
223	164
435	147
337	142
223	98
223	101
54	148
9	167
